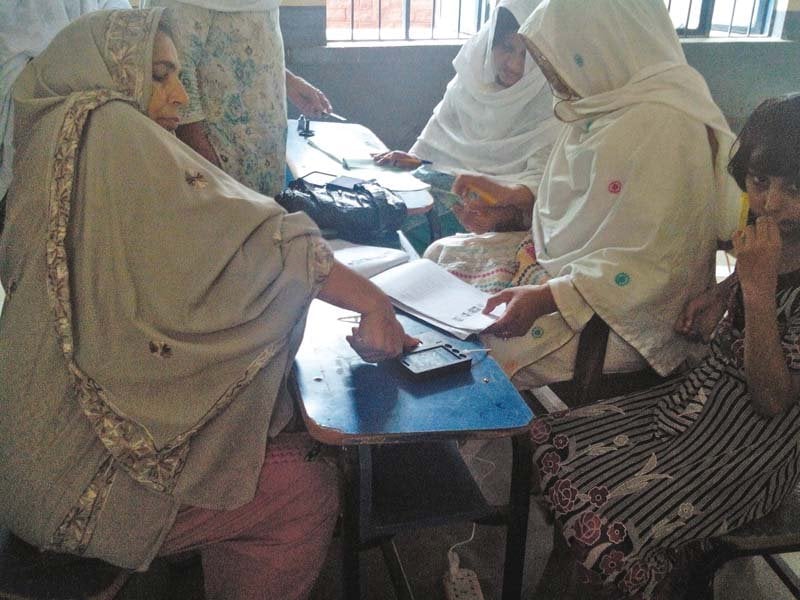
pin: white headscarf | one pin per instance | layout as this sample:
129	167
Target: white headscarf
26	27
632	201
631	56
483	127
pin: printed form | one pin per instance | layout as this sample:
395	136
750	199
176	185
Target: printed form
424	289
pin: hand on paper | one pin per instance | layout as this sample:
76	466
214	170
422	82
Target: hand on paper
308	99
524	305
379	336
397	159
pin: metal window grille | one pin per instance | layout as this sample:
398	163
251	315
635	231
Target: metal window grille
406	20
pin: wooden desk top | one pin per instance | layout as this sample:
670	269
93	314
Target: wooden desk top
347	401
303	159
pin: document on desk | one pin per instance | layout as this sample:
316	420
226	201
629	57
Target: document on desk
424	289
366	260
353	147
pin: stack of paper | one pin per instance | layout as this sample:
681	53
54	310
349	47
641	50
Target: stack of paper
424	289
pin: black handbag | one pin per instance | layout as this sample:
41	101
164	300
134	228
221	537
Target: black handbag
364	212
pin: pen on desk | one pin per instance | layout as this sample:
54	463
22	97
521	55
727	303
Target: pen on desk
487	350
333	115
338	159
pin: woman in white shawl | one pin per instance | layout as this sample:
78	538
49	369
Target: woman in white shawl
633	199
154	307
494	125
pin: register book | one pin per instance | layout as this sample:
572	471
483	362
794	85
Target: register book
424	289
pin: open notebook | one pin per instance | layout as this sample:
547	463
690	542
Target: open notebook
420	287
424	289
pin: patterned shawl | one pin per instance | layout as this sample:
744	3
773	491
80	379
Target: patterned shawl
153	308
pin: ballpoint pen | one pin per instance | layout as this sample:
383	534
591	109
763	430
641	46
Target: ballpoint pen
331	155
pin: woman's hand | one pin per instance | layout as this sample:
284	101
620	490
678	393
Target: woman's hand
483	219
308	99
397	159
758	251
701	315
488	205
380	336
524	305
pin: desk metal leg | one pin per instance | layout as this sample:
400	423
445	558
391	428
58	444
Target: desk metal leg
351	582
402	588
517	530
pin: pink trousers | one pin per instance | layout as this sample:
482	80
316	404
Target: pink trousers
273	547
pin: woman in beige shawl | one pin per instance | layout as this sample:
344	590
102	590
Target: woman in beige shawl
154	306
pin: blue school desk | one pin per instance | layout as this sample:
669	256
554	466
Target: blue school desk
398	440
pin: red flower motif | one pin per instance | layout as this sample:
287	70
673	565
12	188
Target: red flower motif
562	495
560	441
598	495
588	527
636	577
531	251
611	563
540	431
615	187
616	532
550	463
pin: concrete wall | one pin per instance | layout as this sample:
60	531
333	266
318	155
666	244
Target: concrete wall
392	88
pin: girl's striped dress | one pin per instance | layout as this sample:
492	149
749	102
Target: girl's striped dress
632	479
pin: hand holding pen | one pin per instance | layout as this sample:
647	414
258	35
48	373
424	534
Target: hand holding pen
398	159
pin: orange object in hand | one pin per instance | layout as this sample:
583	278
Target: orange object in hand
474	195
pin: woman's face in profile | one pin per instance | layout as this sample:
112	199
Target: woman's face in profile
509	59
168	93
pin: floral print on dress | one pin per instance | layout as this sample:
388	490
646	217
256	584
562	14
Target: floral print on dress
234	75
634	481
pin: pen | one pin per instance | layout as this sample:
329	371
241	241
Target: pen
333	115
338	159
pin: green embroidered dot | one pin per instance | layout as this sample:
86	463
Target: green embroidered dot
588	125
578	60
537	332
622	279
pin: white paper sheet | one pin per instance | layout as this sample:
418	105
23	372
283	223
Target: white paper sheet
425	289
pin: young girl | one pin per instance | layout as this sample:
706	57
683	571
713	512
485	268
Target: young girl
633	480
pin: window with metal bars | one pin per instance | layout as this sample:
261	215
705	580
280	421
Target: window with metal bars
407	20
